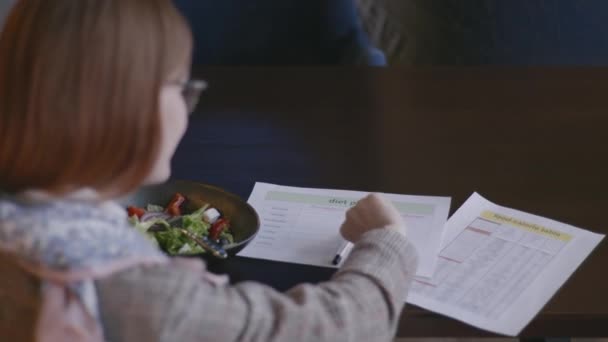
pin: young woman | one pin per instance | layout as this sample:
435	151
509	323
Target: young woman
93	102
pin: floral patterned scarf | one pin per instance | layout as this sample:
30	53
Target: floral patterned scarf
68	243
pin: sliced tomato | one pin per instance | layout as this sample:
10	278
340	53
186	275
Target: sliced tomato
135	211
218	227
173	208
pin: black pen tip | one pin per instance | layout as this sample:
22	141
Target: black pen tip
337	260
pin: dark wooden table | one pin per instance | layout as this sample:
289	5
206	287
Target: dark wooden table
531	139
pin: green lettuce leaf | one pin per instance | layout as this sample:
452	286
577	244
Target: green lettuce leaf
143	227
172	241
195	224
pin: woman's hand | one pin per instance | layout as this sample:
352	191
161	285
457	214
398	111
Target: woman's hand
372	212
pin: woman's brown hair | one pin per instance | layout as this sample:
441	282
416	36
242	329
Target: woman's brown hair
79	91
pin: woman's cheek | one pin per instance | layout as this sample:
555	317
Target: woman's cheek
175	116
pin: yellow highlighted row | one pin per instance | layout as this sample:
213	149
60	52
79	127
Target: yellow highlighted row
531	227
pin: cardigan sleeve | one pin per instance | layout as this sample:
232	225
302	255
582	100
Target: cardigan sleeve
361	302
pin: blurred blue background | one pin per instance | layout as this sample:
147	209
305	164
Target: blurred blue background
278	32
516	32
549	32
411	32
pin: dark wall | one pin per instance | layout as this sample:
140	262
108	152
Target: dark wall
549	31
528	32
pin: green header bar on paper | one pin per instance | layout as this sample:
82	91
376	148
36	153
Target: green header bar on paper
342	202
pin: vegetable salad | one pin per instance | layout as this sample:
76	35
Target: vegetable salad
158	223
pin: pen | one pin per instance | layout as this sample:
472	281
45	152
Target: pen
344	249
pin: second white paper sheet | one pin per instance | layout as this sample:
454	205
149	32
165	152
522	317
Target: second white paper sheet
498	266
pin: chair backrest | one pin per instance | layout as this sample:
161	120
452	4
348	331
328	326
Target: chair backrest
20	301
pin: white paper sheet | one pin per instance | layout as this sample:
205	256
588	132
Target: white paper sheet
302	225
498	267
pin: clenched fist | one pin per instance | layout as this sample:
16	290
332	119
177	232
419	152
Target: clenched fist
372	212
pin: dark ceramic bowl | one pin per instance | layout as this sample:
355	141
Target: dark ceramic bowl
244	221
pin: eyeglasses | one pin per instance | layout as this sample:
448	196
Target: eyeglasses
191	91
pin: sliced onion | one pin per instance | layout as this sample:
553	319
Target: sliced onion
154	216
